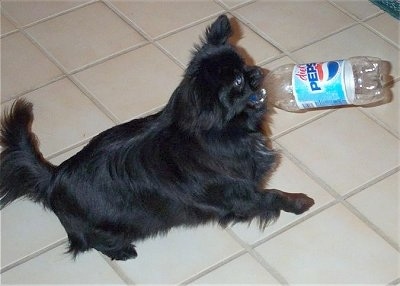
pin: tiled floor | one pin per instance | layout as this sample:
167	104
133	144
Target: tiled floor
88	65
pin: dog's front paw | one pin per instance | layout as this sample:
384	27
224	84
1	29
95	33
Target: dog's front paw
299	203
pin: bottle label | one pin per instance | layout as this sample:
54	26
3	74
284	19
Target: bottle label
322	84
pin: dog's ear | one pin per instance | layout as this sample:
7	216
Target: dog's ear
219	31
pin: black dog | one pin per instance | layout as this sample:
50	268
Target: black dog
202	159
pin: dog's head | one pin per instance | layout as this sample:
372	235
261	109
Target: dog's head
218	88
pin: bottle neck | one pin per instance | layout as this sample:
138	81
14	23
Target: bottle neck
348	81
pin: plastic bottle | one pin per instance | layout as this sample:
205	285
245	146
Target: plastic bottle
355	81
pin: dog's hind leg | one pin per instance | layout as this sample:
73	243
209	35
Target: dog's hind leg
123	252
113	245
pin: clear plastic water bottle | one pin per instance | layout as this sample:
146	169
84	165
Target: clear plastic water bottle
355	81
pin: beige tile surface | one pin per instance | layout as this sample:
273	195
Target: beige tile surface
133	83
160	17
54	267
253	48
122	75
6	25
322	250
85	35
359	8
389	113
388	26
64	116
23	221
380	205
26	12
243	270
180	255
288	178
372	150
23	66
233	3
294	23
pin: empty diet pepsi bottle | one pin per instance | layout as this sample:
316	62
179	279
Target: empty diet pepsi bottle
355	81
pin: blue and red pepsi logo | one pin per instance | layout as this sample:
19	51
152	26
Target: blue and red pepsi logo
315	73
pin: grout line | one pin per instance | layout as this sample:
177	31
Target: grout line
212	268
108	57
379	122
256	256
342	198
371	225
307	171
34	254
379	34
94	99
295	223
188	26
301	124
144	34
61	13
237	6
363	22
115	267
351	15
69	148
66	74
371	183
18	95
80	86
243	20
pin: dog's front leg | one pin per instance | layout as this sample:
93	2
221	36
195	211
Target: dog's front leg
296	203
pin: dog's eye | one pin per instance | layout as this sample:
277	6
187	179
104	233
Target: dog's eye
238	80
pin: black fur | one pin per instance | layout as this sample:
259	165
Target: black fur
202	159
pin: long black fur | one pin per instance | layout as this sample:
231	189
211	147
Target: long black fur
203	158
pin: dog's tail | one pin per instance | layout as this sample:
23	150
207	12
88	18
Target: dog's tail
23	170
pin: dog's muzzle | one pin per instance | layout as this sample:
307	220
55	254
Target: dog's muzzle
258	98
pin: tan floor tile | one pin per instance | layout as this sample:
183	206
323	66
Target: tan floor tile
388	26
26	227
23	66
233	3
288	178
345	149
133	83
6	25
179	255
294	23
380	205
389	113
64	116
85	35
332	247
252	47
171	15
359	8
26	12
243	270
56	267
